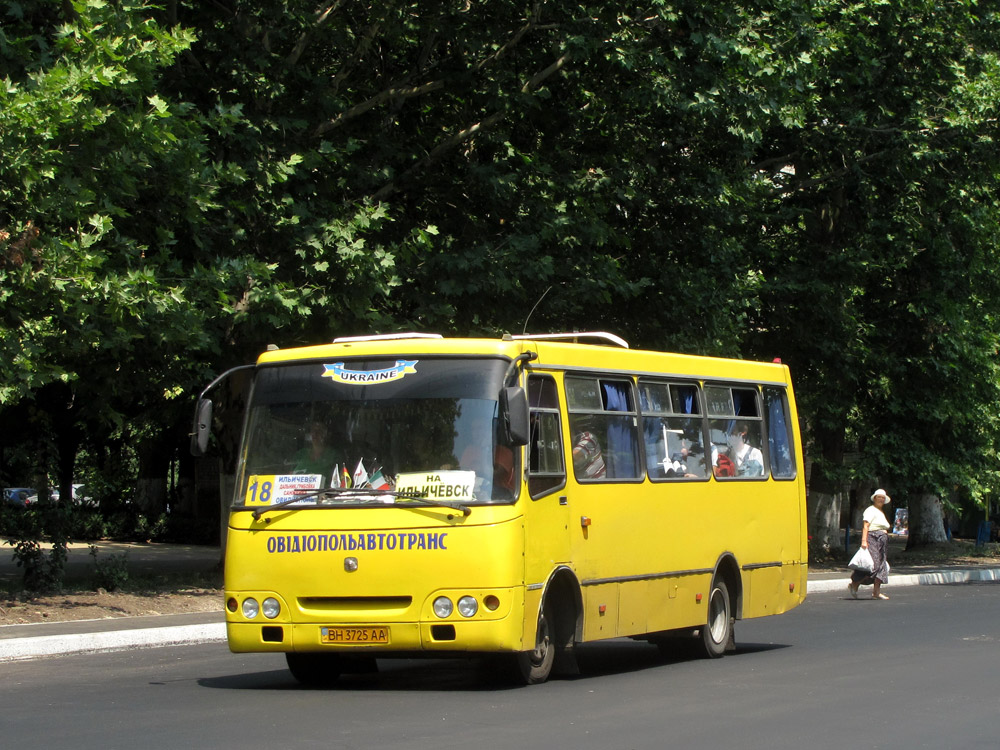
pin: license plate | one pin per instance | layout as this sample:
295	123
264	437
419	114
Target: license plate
354	635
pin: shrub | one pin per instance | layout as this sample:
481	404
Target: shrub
110	572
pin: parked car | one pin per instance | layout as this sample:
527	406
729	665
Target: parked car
18	497
79	495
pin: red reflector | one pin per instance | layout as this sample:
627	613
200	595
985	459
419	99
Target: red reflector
697	598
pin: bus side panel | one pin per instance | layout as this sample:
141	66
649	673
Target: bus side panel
771	591
600	608
636	599
662	604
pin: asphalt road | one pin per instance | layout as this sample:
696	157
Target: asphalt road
919	671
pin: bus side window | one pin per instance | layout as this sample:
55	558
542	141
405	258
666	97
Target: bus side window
737	438
672	430
545	451
603	426
779	440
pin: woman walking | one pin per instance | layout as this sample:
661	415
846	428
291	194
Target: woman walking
875	538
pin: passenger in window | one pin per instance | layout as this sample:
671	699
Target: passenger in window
748	461
689	461
588	460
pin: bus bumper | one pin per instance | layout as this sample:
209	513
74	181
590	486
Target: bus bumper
403	637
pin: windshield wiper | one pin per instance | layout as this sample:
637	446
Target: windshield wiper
423	500
258	512
401	495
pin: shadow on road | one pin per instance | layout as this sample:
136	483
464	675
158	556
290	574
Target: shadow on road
483	674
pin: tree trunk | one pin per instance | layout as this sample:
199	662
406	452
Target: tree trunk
184	496
67	446
151	485
824	518
228	429
926	520
823	504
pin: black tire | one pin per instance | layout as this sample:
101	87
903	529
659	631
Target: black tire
535	666
314	670
717	633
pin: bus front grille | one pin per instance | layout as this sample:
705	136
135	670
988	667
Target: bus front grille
327	606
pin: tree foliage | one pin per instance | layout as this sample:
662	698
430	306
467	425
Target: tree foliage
184	183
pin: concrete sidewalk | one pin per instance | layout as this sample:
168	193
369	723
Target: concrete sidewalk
825	581
18	642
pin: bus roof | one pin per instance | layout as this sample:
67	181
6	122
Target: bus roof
555	352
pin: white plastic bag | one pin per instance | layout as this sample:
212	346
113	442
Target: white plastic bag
862	561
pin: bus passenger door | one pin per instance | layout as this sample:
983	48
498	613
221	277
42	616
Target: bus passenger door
547	511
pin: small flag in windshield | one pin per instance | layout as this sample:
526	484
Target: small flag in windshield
360	474
378	481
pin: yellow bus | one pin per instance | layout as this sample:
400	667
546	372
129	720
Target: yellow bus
410	494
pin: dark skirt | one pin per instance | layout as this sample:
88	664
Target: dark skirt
878	546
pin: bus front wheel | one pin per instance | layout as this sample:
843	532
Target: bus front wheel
535	666
717	632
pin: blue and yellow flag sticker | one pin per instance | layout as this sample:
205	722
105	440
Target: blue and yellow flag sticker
339	373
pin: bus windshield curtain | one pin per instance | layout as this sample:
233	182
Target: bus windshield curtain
620	459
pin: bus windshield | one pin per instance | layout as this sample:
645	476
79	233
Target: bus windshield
428	427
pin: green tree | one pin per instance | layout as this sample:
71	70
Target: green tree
883	217
184	184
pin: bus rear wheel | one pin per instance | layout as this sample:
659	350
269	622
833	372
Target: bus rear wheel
535	666
717	633
314	670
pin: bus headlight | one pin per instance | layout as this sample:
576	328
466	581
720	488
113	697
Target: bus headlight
250	608
271	608
443	607
467	606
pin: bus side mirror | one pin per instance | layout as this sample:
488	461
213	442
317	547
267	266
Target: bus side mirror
514	415
202	429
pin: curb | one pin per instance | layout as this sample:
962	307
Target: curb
16	649
913	579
